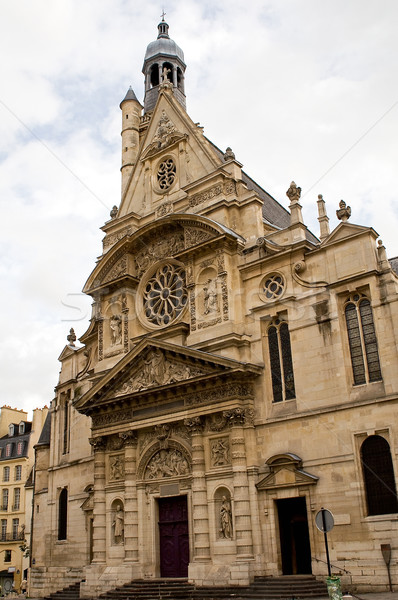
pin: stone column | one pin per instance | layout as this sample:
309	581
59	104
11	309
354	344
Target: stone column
174	75
99	509
200	511
130	502
243	525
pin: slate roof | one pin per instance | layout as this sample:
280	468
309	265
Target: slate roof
44	439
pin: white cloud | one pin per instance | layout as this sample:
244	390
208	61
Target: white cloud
300	89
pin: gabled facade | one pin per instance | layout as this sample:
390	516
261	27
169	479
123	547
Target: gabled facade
237	375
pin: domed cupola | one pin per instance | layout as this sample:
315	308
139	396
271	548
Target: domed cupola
163	63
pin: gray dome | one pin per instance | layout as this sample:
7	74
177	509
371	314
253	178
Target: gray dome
163	45
166	46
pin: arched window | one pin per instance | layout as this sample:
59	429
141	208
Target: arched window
362	340
378	474
281	361
62	514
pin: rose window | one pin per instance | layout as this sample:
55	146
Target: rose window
166	174
273	286
165	295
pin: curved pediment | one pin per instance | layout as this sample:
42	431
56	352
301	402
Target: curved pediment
167	237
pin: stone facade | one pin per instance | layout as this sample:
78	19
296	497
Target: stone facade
237	375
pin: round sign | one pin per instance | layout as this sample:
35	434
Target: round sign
324	520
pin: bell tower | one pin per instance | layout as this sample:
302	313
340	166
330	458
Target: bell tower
163	64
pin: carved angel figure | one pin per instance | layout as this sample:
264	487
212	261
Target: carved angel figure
226	519
118	525
210	297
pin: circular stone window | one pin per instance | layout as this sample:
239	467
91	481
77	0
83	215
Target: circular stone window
165	294
166	174
273	286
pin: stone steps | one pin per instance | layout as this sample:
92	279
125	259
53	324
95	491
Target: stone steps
71	592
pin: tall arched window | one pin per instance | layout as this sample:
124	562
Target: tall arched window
281	363
362	340
62	514
378	474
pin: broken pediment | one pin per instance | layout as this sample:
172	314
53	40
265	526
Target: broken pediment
154	365
285	471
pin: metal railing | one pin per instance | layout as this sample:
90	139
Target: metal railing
12	537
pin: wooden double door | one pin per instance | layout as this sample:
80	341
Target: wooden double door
173	536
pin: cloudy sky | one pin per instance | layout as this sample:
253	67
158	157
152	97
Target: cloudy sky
300	89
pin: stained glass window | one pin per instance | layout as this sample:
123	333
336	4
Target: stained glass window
362	340
281	362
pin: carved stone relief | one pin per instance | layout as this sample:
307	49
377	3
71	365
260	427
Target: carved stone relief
194	236
220	452
166	245
111	417
156	370
164	209
116	467
163	433
118	270
219	393
113	238
206	195
167	463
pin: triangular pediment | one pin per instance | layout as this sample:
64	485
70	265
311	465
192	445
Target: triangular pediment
154	365
344	231
169	126
285	472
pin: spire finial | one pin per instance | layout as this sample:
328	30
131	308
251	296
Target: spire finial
344	212
163	14
323	218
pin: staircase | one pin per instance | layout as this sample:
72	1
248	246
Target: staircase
69	593
262	588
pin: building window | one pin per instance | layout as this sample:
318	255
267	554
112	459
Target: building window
18	473
362	340
7	556
11	430
8	450
3	530
15	527
22	427
6	474
17	499
281	361
165	294
4	504
62	514
378	474
66	428
20	446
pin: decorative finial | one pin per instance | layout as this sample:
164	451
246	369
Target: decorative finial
344	213
229	155
293	193
163	14
71	337
113	212
322	218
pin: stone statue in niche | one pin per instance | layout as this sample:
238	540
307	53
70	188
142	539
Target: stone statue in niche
210	297
118	525
225	519
117	468
167	463
220	452
116	330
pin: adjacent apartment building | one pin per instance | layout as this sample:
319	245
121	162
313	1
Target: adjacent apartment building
17	439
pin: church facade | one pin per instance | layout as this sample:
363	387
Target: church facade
237	375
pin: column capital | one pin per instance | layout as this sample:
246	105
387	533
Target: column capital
98	443
129	437
195	425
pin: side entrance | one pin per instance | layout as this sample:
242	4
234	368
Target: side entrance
294	536
173	536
